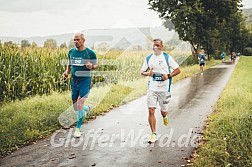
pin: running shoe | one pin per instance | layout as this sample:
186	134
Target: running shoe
153	138
77	133
166	121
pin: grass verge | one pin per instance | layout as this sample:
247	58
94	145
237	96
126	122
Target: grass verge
227	141
23	122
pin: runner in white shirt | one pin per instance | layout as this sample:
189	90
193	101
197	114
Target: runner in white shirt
158	64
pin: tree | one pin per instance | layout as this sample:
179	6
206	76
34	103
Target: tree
231	26
71	44
187	17
34	45
25	43
249	29
103	46
63	45
50	43
168	24
10	44
201	22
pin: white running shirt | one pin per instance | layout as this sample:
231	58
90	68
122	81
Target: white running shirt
159	65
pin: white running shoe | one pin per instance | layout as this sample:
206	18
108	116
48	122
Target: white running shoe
153	138
77	133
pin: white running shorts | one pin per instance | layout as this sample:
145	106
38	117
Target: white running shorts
155	97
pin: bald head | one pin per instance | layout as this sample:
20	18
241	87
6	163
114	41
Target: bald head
79	35
79	41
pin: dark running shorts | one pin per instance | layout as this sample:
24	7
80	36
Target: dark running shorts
80	88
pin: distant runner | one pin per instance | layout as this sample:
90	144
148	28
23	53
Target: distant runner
233	57
223	56
202	59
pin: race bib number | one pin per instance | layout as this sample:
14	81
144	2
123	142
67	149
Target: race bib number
157	77
77	61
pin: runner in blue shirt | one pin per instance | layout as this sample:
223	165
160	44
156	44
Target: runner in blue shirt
81	60
223	56
202	59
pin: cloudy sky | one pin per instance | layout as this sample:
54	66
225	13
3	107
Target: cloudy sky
26	18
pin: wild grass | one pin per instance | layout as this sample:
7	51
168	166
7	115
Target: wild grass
228	139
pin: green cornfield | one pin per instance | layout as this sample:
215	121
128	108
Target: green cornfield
27	72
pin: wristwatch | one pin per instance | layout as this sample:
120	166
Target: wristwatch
169	76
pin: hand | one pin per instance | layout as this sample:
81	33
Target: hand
151	72
89	65
165	77
65	75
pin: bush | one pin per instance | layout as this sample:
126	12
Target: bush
191	60
247	51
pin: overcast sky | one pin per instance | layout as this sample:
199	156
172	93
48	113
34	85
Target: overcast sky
26	18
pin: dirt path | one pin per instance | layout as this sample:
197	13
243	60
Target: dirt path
120	137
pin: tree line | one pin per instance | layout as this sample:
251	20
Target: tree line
48	43
213	25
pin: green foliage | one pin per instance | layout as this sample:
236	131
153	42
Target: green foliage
28	72
34	45
25	121
190	61
208	24
36	71
10	45
228	137
63	46
50	43
247	51
25	44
